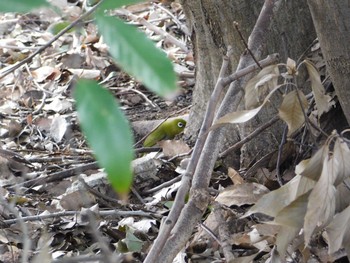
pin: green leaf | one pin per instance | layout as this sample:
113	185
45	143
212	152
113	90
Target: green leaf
132	242
107	132
110	4
21	5
138	55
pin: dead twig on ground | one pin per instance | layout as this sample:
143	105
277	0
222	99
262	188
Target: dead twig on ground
105	213
155	29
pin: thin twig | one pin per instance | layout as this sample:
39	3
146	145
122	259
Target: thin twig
210	232
138	92
245	43
249	137
58	176
78	259
306	118
177	21
279	157
163	185
106	213
224	232
155	29
98	193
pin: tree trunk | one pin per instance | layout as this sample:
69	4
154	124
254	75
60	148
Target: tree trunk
212	33
332	23
212	27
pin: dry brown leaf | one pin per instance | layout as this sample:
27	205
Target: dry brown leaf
235	176
260	85
341	156
242	116
272	203
343	196
58	105
323	100
242	194
257	240
338	232
267	230
77	199
293	214
291	112
174	147
284	237
58	128
321	206
291	67
312	168
45	73
86	73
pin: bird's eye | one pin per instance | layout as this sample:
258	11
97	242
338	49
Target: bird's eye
180	124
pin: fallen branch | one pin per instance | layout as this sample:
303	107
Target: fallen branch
113	213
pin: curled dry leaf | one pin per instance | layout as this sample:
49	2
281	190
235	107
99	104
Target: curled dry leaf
46	73
272	203
291	67
285	235
293	214
235	177
323	100
242	116
341	157
86	73
241	194
292	112
312	168
338	232
323	198
174	147
58	127
260	85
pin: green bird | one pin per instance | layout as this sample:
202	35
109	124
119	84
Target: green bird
166	131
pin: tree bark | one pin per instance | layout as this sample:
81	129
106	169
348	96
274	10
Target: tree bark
212	26
332	23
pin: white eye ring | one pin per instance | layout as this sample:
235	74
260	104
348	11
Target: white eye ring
180	124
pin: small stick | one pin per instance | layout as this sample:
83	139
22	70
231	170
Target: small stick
177	21
249	137
155	29
246	44
105	213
